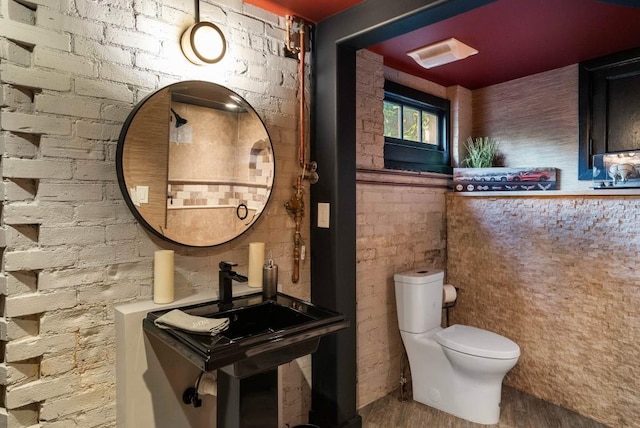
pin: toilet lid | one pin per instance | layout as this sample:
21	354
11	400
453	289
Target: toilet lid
478	342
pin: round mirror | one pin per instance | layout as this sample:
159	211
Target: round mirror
195	164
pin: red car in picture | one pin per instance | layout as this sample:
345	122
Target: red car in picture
531	176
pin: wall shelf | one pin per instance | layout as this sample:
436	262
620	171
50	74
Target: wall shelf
621	193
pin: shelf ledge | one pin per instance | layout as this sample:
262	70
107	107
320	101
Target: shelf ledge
552	193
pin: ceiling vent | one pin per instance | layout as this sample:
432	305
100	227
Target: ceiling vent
441	53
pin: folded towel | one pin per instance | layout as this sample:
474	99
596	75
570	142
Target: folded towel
191	323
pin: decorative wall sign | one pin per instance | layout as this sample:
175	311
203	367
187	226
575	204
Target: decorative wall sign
503	179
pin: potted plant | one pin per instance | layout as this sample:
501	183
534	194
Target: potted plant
481	152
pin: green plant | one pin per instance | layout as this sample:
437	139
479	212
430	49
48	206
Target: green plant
481	152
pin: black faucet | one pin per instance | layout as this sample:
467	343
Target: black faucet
225	278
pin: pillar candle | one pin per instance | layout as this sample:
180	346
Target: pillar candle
163	276
256	261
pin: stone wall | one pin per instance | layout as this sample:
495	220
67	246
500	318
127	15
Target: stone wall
535	121
70	73
559	276
400	226
553	273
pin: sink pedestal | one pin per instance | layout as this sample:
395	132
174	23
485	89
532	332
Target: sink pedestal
251	402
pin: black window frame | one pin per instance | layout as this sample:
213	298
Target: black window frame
409	155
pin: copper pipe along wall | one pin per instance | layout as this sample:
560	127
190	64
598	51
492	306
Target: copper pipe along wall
295	276
295	206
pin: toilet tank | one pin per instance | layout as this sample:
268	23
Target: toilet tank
419	299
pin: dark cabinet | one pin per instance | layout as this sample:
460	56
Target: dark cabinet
609	107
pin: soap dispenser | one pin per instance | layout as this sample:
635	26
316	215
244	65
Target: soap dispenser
269	279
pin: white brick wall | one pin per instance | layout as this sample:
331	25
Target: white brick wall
54	409
14	191
35	303
39	390
76	148
68	106
21	327
70	73
30	78
16	214
16	53
35	124
24	349
32	35
37	259
36	169
102	89
16	373
17	145
56	21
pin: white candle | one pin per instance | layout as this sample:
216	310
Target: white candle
163	276
256	261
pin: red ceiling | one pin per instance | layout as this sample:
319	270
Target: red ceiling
515	38
311	10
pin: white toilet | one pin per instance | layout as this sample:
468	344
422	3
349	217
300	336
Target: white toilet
458	369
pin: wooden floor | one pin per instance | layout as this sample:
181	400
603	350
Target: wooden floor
519	410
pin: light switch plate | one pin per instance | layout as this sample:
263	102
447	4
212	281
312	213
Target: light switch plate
143	194
324	214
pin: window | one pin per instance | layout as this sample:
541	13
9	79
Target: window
416	125
410	123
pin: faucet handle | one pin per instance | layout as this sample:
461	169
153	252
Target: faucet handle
226	266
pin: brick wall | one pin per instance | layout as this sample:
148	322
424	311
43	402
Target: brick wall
535	121
559	276
400	226
70	73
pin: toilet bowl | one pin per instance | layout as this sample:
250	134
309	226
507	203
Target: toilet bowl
458	369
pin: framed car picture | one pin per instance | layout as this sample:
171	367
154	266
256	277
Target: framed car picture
504	179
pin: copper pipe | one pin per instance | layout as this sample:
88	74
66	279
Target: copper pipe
295	207
295	276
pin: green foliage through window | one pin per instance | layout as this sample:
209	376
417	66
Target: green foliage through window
409	123
392	115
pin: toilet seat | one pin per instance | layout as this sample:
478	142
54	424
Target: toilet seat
477	342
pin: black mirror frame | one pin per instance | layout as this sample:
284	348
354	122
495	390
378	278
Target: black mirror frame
120	170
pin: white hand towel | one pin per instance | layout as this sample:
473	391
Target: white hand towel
191	323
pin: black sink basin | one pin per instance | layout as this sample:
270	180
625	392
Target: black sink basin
263	318
262	334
